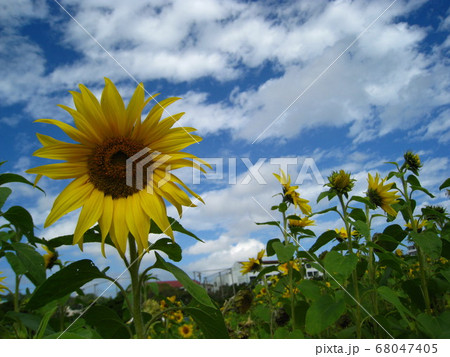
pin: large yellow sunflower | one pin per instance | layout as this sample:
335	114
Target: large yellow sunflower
291	195
120	166
380	194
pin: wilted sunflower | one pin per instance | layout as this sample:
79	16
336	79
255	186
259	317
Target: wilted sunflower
292	196
340	182
253	264
186	330
378	193
120	165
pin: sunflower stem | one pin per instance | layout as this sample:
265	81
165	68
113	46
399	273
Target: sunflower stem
354	276
135	261
423	278
371	268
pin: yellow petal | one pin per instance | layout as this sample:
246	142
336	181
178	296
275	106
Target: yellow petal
138	222
106	219
70	199
113	108
64	151
46	140
119	228
60	171
89	214
155	208
70	131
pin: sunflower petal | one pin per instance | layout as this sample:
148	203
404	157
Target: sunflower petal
70	131
70	199
89	215
119	225
106	219
64	170
113	108
155	208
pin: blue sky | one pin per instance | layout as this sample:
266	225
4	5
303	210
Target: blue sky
364	81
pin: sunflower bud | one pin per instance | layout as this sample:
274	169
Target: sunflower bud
340	182
412	162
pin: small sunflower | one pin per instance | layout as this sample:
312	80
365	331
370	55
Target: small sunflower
186	330
399	252
50	258
412	162
172	299
2	287
292	196
301	223
253	264
120	166
284	268
340	182
419	225
380	195
343	233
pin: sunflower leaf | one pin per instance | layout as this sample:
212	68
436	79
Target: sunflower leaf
210	321
323	239
4	194
20	218
176	226
197	292
445	184
173	250
10	178
32	261
63	282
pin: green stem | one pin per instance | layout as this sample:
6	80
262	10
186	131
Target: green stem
371	268
423	278
16	294
291	293
135	261
354	276
269	299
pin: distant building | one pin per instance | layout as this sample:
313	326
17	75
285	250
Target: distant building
412	250
233	275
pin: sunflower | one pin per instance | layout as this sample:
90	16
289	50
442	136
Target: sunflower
378	193
253	264
2	287
343	233
284	268
120	165
292	196
412	162
50	258
419	225
340	182
301	223
186	330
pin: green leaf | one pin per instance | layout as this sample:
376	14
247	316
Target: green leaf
340	266
324	312
309	289
32	261
419	188
271	223
269	247
20	218
323	239
262	313
392	297
395	231
106	322
6	236
91	236
210	321
445	184
323	195
63	282
285	333
429	243
265	271
44	322
4	194
285	253
358	214
364	200
30	321
282	207
15	263
9	178
362	228
413	181
197	292
176	226
325	211
172	249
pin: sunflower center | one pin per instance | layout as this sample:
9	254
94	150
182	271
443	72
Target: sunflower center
108	169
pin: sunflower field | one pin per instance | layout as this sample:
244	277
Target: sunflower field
389	284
